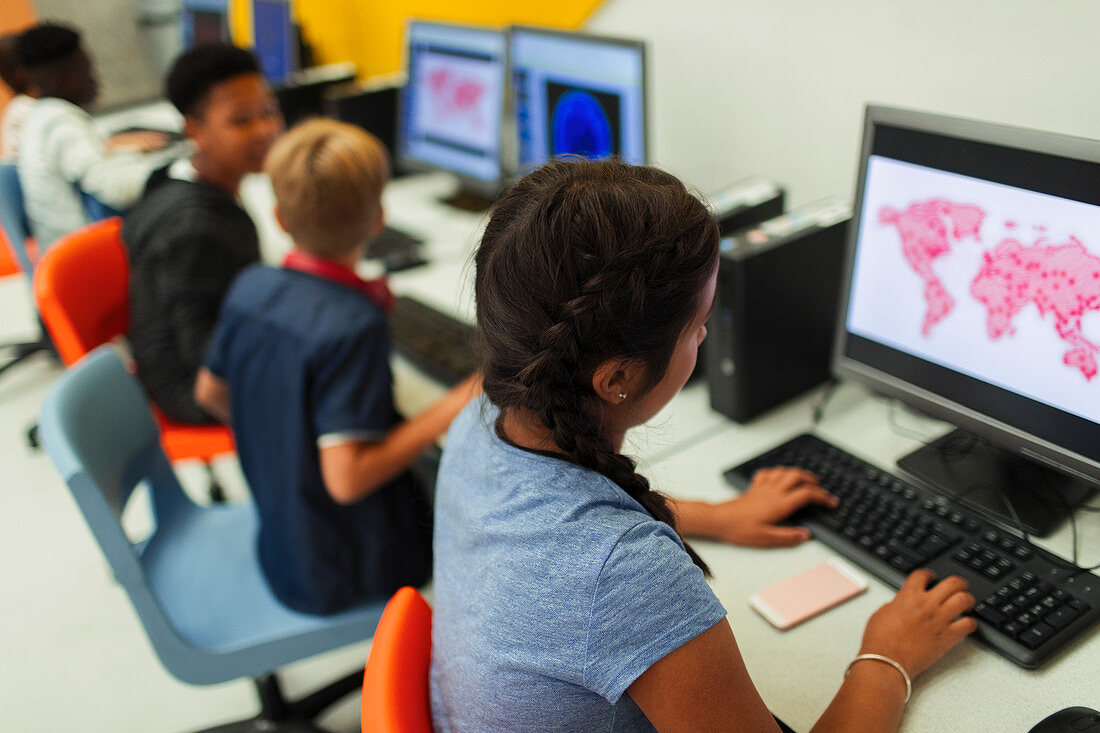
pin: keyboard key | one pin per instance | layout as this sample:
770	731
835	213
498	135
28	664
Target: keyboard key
986	612
1036	635
993	572
1062	617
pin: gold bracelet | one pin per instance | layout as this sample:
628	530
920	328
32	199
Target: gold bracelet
892	663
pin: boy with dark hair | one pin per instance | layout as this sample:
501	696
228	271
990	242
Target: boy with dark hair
60	153
189	237
300	362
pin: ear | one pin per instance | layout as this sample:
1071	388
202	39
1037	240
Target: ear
616	380
192	128
279	218
379	223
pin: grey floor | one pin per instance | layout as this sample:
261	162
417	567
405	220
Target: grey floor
73	655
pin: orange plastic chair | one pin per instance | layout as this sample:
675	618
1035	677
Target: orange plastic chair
395	682
81	286
8	265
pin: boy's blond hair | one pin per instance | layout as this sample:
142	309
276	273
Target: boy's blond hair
328	178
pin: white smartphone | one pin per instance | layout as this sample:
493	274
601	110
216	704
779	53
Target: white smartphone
803	596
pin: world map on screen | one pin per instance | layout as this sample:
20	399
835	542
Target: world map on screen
1060	279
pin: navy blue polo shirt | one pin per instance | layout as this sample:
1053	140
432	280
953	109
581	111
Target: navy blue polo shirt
307	364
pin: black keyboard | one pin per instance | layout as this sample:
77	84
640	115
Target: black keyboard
398	250
437	344
1031	604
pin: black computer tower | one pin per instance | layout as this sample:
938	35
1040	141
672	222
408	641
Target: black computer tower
737	206
771	333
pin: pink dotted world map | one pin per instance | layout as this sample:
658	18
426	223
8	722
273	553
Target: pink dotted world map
1062	280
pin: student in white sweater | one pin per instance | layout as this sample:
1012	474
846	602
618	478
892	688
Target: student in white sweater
60	153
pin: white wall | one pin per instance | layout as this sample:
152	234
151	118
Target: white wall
129	69
776	87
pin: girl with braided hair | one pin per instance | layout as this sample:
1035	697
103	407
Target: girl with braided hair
561	579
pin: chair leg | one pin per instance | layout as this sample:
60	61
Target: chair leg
22	352
279	715
312	705
216	492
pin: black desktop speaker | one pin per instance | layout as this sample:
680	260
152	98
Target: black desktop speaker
771	333
737	206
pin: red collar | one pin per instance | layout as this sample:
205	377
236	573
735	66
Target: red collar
376	291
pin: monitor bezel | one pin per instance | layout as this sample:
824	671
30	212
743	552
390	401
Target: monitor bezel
516	168
1008	436
405	162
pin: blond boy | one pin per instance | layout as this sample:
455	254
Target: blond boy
299	365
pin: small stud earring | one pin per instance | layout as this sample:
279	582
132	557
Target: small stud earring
622	395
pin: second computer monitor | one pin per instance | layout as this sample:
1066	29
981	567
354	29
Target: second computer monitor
577	94
453	103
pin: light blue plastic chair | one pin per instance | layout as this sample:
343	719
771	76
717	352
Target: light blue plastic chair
13	217
195	582
13	222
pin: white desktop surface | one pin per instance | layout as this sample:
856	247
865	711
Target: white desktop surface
684	450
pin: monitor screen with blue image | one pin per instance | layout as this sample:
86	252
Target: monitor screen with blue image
577	94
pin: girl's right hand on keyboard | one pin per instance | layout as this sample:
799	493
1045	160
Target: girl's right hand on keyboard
922	623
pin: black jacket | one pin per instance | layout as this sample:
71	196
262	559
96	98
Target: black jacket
186	242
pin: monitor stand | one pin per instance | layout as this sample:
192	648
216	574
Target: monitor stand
964	468
468	201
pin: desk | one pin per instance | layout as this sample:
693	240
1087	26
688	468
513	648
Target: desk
684	451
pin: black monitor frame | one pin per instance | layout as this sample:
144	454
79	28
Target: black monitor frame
516	167
1054	164
406	162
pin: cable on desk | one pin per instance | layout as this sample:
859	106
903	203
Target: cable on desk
898	427
825	398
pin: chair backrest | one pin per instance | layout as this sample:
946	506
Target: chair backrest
395	682
13	217
99	433
81	287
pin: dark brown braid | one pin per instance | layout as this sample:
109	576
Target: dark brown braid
583	262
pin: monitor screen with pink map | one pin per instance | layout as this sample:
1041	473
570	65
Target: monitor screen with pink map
974	281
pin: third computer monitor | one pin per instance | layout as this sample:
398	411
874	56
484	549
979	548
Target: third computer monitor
577	94
452	106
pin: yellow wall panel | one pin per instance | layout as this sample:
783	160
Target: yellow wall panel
15	15
370	33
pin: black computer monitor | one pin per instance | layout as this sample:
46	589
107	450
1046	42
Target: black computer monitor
973	294
205	21
577	94
452	106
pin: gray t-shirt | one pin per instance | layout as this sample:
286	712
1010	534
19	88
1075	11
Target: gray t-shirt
554	591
